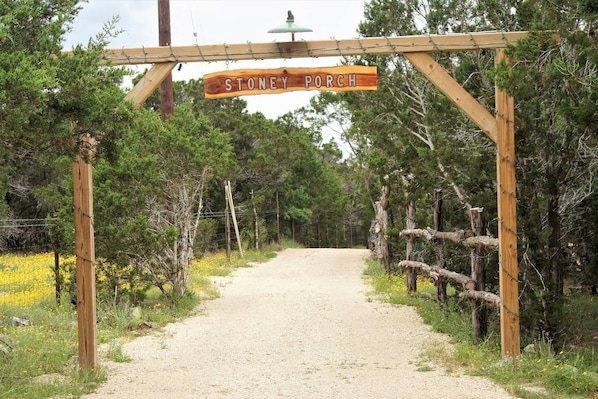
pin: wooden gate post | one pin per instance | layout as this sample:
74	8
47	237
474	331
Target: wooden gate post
85	256
507	220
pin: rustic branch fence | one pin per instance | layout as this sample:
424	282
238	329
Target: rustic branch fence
479	245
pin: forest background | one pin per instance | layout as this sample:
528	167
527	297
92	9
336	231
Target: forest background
159	192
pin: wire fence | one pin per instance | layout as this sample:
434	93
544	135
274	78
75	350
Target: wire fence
28	265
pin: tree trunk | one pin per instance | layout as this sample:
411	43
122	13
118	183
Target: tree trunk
556	257
554	271
380	227
277	219
178	280
57	276
319	234
255	225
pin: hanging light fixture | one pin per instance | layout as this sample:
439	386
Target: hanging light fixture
290	27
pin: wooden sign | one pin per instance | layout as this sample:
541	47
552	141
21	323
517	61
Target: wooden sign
245	82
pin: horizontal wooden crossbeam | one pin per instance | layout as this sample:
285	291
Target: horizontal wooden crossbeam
313	49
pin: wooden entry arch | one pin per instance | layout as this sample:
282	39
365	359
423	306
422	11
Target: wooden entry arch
499	128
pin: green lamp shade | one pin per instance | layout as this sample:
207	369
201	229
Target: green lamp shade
290	26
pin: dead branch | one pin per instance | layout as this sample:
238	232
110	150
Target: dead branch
421	233
459	237
434	271
483	295
481	241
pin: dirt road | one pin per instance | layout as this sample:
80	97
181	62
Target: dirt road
299	326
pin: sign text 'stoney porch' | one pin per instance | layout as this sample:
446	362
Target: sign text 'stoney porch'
245	82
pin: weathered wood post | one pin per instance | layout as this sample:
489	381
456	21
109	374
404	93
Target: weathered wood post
229	197
441	294
227	222
85	255
57	276
479	314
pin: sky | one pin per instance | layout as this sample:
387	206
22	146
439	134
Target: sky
225	21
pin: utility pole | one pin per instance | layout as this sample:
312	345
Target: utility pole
164	38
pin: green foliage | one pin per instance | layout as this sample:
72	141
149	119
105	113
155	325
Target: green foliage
299	211
49	100
120	283
274	159
150	201
289	243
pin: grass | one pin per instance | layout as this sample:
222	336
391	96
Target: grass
289	243
542	374
45	347
39	360
115	352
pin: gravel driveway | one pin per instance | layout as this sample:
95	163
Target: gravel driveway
299	326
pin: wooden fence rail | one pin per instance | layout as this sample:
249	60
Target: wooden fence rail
460	237
467	282
478	245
